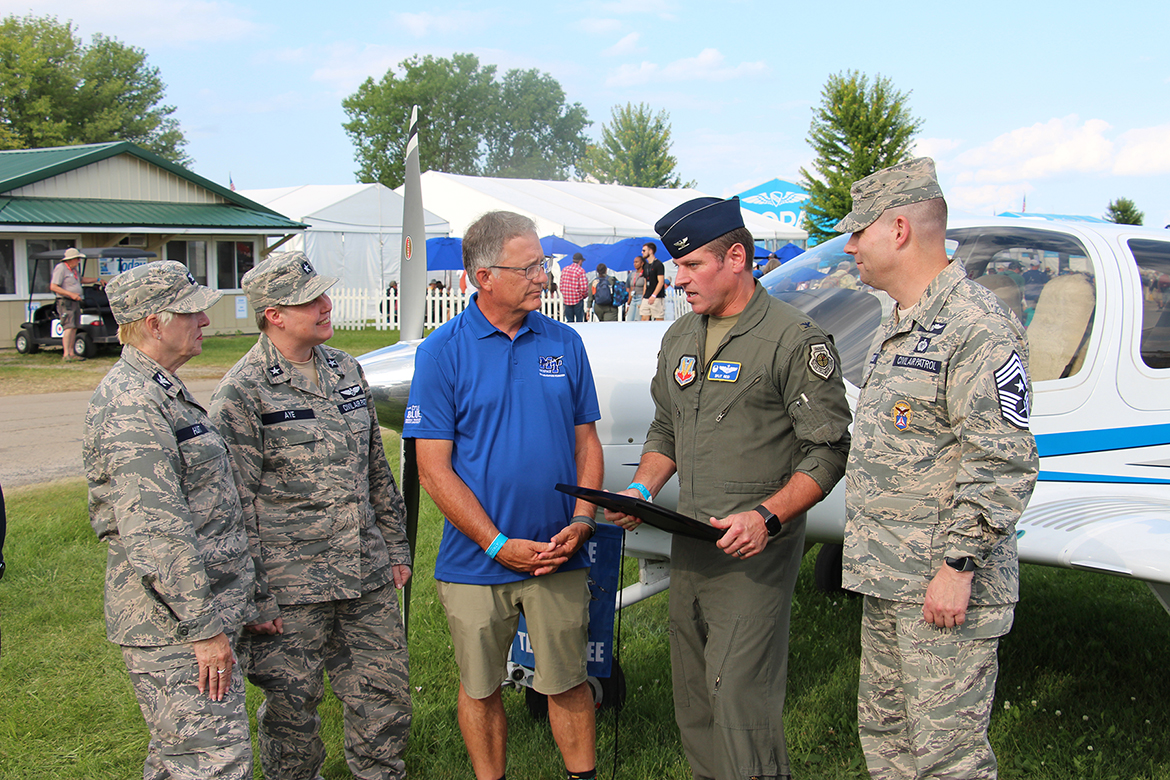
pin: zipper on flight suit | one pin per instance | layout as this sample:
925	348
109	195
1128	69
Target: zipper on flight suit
739	395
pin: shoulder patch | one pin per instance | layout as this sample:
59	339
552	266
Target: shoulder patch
820	360
1015	398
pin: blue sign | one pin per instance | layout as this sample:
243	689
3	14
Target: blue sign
604	552
780	200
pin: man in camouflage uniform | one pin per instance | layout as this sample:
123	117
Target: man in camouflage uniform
162	494
941	467
750	410
329	533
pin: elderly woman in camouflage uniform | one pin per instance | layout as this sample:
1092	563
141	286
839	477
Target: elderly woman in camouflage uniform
162	493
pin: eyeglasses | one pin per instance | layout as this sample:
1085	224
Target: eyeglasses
530	271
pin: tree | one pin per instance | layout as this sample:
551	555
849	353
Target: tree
1124	212
469	122
634	150
56	91
858	129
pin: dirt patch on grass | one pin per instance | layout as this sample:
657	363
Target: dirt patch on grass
45	372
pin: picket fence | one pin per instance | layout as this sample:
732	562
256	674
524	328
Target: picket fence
356	308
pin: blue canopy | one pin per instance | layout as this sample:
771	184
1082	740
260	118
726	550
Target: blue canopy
788	251
618	256
444	254
555	245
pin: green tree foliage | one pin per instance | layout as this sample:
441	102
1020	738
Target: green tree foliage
470	122
56	91
859	128
634	150
1124	212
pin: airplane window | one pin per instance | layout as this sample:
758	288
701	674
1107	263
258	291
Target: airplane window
1153	261
1044	278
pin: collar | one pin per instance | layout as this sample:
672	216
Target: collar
278	369
156	374
933	299
483	329
753	312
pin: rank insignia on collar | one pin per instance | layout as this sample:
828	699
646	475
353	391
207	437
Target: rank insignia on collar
275	371
162	380
902	415
332	362
685	373
820	360
806	325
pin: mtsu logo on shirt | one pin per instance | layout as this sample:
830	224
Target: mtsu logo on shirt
552	366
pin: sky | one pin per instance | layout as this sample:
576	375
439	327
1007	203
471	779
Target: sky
1064	105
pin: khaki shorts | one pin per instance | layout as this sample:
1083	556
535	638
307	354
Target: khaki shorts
69	313
483	620
654	308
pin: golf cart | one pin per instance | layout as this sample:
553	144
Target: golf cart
97	327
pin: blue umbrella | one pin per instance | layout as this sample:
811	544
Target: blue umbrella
444	254
555	245
762	252
618	256
788	251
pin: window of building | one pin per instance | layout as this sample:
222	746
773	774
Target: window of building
234	259
192	254
1153	262
41	271
7	266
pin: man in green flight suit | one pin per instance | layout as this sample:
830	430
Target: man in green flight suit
750	411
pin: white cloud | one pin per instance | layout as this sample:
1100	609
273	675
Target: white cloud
151	22
1042	150
626	46
422	24
1145	151
934	147
987	199
709	65
342	67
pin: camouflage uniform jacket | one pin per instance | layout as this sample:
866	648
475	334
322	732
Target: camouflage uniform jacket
162	493
769	402
329	519
943	462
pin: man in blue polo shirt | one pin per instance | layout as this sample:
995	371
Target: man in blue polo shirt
503	407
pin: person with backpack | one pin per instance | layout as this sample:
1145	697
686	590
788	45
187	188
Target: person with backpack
605	304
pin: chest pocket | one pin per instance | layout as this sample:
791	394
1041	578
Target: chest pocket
206	474
290	446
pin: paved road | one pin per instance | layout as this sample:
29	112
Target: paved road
40	435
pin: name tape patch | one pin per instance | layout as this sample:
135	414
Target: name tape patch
918	362
271	418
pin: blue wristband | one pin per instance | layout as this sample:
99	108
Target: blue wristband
496	545
645	491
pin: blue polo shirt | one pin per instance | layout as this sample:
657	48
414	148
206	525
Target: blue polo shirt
509	407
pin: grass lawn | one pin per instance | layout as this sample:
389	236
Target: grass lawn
1081	690
44	372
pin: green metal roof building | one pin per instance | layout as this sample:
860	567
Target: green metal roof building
102	195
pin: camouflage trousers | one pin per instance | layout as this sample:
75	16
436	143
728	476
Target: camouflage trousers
925	693
191	736
361	644
729	621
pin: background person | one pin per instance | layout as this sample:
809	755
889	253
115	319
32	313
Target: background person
574	287
503	407
600	291
162	494
750	410
328	533
66	283
636	283
942	466
654	302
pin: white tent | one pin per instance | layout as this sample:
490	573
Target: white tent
355	230
580	212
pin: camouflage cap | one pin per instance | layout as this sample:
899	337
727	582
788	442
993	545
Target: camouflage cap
899	185
697	222
284	279
164	285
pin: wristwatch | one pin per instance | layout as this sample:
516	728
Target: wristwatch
771	522
961	564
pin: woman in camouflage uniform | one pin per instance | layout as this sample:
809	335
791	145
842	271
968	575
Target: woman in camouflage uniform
162	493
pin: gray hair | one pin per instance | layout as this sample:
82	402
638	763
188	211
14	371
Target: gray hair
134	333
484	240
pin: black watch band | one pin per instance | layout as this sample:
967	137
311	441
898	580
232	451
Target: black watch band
771	523
961	564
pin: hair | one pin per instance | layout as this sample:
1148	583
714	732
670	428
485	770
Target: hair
722	245
262	320
484	240
929	216
639	259
601	269
134	333
651	246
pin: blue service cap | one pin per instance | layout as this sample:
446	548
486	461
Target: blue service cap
697	222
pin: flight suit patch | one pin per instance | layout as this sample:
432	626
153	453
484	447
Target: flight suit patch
723	371
685	373
820	360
